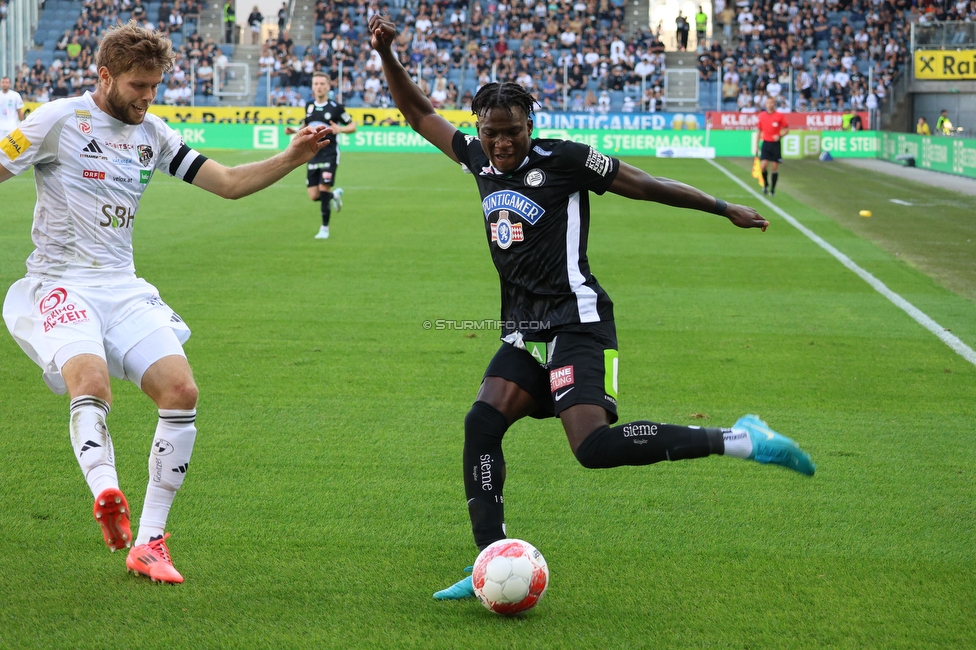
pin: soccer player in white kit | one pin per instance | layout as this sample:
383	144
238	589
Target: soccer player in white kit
81	313
11	107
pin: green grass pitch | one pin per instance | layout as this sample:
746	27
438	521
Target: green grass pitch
324	504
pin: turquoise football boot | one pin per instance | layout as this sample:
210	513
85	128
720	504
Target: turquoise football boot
771	447
463	588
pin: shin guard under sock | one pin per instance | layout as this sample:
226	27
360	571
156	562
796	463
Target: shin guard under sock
168	463
92	443
644	443
484	472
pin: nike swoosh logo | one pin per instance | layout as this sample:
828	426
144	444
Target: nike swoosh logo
563	394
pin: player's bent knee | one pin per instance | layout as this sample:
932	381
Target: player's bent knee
592	453
484	420
182	394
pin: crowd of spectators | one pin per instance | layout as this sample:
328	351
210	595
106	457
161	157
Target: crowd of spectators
819	53
570	53
72	70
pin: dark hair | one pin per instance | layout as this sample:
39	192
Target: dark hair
505	95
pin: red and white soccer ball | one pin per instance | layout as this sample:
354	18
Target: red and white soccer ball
510	576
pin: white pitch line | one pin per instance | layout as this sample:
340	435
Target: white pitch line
917	314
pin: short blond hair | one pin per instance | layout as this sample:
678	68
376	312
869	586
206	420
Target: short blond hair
129	46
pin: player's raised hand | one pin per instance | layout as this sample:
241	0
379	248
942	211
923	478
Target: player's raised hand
309	141
745	217
383	32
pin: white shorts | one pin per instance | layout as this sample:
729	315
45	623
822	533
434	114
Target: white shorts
54	320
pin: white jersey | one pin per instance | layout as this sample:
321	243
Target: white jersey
90	171
10	104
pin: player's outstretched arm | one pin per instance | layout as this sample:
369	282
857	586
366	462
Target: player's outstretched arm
236	182
637	184
407	96
5	174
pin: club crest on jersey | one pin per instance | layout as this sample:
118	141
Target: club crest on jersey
145	154
84	121
517	203
505	232
535	178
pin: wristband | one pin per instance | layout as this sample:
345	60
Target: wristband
720	207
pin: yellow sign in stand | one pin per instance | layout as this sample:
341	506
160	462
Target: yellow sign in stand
945	65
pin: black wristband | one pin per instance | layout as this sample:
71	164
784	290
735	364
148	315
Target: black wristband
720	207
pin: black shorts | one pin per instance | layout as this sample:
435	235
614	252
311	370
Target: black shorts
322	172
771	151
575	366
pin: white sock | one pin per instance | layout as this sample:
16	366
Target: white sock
738	444
92	443
168	462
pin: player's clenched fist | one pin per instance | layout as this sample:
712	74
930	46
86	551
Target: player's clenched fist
383	32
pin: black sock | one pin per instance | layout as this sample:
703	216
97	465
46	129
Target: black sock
643	443
765	179
325	199
775	178
484	472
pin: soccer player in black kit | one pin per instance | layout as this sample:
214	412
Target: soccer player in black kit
322	169
559	347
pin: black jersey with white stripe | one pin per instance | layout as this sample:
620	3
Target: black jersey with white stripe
323	114
537	222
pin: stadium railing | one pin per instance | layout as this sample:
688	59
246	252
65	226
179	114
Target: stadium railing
15	34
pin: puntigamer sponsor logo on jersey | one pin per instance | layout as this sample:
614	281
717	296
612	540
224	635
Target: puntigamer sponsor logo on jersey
93	174
116	216
517	203
505	232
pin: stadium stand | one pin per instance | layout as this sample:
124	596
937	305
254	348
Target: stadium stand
813	55
574	54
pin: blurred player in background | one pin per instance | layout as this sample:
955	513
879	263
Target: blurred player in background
81	313
322	169
772	127
559	345
11	107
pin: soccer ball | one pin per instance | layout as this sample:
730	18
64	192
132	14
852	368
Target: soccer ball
510	576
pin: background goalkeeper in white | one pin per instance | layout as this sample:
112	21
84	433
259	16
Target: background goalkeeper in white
81	313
